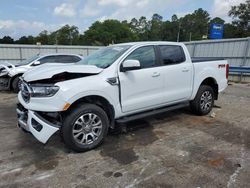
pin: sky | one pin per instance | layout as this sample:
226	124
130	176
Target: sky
30	17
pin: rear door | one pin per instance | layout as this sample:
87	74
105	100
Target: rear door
177	73
141	89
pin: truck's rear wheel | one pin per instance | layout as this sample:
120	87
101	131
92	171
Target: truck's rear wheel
203	101
85	127
16	84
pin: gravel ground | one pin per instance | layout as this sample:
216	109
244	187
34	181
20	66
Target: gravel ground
175	149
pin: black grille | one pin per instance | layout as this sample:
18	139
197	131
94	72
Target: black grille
25	91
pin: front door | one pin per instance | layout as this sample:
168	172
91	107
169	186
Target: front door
143	88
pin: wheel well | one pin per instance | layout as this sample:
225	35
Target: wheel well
99	101
212	82
13	78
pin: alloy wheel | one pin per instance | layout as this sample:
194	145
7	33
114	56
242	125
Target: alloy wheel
87	128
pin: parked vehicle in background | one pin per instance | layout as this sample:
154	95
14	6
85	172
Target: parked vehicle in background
118	83
10	74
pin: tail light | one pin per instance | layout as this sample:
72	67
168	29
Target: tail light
227	71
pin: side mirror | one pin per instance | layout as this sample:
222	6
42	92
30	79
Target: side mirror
132	64
36	63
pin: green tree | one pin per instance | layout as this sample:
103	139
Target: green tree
108	32
7	40
232	31
170	29
66	35
217	20
174	18
241	17
156	25
194	26
43	37
140	27
26	40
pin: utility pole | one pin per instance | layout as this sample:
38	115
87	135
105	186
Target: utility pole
179	30
56	39
208	31
190	36
70	38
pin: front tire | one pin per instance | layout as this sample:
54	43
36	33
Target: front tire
203	101
85	127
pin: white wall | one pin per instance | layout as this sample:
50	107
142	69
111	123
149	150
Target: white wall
15	53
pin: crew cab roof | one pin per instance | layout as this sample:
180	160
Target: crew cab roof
50	54
149	43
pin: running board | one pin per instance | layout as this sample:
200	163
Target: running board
151	112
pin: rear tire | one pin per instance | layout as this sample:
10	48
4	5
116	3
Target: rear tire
85	127
203	101
16	84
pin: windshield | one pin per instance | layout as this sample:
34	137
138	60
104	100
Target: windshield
29	60
104	57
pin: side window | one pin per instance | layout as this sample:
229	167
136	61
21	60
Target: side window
172	54
75	59
67	59
146	56
47	59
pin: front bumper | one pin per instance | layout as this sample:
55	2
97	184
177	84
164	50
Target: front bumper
34	123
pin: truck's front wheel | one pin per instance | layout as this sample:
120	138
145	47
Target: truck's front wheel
85	127
203	101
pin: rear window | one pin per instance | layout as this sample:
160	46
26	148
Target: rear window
67	59
172	54
48	59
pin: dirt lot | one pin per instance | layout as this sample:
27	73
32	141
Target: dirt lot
175	149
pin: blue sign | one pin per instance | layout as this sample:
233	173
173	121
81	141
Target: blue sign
216	31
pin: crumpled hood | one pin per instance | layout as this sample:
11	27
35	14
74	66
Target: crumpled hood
8	68
48	71
7	65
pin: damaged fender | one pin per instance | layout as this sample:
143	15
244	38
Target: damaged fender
8	67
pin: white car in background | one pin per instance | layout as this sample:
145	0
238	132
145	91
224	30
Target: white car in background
10	74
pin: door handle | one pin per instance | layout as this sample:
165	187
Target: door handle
155	74
185	70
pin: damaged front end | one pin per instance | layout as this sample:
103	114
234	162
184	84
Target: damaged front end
4	77
41	124
5	82
38	121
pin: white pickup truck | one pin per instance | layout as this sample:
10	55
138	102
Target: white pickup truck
10	74
118	83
